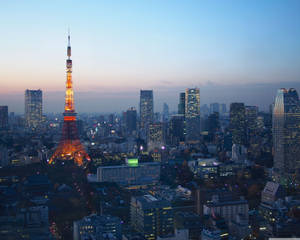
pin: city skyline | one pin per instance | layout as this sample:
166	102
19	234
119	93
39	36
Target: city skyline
124	47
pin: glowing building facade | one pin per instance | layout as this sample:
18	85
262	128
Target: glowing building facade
70	147
146	108
33	108
192	114
238	123
286	132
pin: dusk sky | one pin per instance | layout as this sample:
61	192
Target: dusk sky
232	50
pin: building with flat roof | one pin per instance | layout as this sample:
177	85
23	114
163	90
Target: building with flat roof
97	227
133	173
151	216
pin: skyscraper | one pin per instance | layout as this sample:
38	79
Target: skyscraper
214	107
70	147
165	113
146	108
131	120
3	117
181	105
213	125
286	132
192	114
33	108
176	132
251	121
238	123
223	109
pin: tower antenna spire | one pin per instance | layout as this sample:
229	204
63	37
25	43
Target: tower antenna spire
69	44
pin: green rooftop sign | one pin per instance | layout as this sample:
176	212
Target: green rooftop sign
133	162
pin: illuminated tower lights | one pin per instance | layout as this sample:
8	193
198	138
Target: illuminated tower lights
70	147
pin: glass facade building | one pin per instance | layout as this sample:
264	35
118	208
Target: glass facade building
33	108
286	132
192	114
146	108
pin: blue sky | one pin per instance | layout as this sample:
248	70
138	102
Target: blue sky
123	46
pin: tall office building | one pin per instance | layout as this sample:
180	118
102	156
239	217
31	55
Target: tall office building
176	129
238	123
131	117
33	108
251	121
223	109
192	114
165	116
3	117
214	107
213	125
4	160
146	108
286	132
151	217
181	105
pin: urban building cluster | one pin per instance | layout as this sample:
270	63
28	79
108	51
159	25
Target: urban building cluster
200	172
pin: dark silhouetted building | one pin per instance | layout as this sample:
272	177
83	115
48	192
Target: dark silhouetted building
3	117
131	117
181	105
176	129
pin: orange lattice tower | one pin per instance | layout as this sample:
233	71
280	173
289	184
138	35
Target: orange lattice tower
70	147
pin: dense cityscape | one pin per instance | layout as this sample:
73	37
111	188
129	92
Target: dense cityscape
198	173
203	171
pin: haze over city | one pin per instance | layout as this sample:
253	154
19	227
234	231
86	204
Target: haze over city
240	48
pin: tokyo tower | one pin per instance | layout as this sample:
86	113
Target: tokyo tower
70	147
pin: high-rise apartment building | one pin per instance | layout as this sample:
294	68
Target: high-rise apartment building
3	117
146	108
286	132
131	117
33	108
238	123
181	105
151	217
192	114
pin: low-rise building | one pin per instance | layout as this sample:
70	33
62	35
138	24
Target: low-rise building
130	174
97	227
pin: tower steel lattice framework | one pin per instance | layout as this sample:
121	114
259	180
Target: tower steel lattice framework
70	147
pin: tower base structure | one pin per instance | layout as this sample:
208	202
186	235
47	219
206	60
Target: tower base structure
70	147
